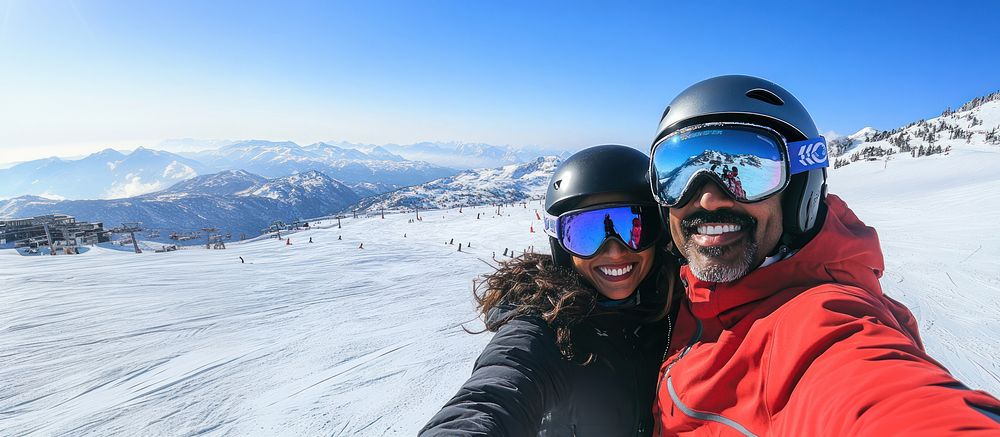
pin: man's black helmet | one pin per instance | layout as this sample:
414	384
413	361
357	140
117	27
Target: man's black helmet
749	99
615	170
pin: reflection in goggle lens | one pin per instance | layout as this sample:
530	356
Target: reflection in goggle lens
582	233
745	161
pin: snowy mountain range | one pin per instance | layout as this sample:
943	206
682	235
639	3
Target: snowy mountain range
107	174
239	201
372	169
111	174
463	155
274	159
511	183
235	201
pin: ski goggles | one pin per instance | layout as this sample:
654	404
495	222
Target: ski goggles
583	232
749	162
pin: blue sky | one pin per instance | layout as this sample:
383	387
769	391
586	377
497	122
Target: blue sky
78	76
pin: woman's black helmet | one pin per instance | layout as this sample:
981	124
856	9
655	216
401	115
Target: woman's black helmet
612	170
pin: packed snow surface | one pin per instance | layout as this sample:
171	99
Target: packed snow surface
327	338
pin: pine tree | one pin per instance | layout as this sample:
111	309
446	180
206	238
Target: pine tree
992	137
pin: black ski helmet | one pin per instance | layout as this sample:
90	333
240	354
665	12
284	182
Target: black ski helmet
609	169
749	99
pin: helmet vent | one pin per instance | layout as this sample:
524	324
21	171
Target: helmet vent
765	96
556	184
665	111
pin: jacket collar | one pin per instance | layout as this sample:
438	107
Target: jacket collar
845	251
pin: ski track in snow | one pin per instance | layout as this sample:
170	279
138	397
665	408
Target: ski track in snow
936	220
320	338
329	339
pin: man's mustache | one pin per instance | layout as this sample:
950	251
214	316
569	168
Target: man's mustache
698	218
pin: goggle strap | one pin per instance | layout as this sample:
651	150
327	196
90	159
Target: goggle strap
808	155
551	225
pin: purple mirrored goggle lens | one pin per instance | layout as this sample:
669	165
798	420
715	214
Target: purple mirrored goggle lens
747	161
582	233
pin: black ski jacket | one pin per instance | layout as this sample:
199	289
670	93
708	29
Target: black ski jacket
522	386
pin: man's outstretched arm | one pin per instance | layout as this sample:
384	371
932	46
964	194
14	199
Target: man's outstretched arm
843	363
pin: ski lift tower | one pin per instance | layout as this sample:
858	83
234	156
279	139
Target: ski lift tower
210	237
275	227
130	228
48	236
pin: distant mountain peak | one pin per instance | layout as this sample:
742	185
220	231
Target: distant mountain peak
107	153
865	132
310	174
221	183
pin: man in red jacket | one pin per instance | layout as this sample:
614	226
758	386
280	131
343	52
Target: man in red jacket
787	331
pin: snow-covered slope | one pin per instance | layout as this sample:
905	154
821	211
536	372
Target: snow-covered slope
330	339
512	183
973	126
108	174
933	219
366	189
303	189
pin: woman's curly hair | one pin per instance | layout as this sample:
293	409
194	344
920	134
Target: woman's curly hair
532	284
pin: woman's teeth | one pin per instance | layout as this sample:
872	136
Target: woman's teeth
717	230
616	271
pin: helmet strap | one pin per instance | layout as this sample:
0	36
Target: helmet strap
560	257
803	209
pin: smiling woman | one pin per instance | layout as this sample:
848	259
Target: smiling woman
579	334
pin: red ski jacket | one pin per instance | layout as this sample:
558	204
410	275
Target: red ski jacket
810	346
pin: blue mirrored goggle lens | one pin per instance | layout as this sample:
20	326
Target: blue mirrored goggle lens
745	161
584	232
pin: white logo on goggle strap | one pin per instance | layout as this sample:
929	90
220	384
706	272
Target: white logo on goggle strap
814	153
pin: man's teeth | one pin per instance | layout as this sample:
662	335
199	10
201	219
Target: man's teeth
616	272
717	230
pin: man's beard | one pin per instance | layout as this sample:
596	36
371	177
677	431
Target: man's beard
706	270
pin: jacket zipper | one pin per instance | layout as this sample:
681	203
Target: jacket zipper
666	373
675	398
640	429
637	351
666	353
